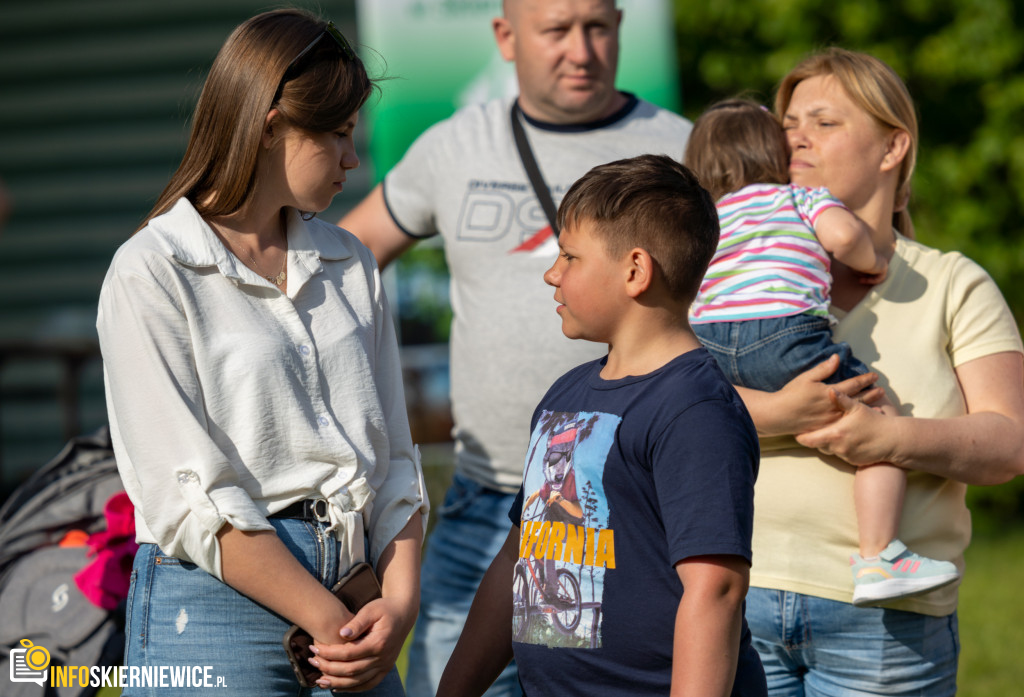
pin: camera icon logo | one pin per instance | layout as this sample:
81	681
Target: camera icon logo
30	663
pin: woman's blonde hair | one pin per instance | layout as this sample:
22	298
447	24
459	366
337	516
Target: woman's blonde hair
736	143
875	88
252	74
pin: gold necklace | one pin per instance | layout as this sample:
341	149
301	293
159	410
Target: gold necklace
277	280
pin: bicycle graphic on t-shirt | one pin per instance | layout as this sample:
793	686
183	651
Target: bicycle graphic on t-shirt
553	591
563	527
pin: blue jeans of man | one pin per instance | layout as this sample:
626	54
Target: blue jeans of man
813	647
765	354
179	615
472	525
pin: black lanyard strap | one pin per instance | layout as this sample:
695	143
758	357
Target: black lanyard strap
532	170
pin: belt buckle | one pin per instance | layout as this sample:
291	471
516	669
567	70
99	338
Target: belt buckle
320	510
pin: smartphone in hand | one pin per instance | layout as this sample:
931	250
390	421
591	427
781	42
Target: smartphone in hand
357	588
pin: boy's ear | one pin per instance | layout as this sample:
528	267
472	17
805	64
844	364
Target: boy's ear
639	271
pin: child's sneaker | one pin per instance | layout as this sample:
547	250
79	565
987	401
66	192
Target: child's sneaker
897	573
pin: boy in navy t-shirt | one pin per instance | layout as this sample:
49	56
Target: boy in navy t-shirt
639	476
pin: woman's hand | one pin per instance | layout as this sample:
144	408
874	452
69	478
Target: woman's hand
367	647
804	404
860	436
983	447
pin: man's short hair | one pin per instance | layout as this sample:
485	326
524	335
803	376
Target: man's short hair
652	202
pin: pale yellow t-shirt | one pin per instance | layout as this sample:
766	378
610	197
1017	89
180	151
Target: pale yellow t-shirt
933	312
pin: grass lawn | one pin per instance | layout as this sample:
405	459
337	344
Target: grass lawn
992	616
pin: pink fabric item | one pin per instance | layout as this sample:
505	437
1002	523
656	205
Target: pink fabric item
105	580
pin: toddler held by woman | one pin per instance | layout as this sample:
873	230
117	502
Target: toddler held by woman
763	309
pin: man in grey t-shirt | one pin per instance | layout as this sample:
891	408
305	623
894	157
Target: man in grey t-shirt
463	179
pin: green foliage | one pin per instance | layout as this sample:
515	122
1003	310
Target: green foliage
425	313
963	61
995	507
989	615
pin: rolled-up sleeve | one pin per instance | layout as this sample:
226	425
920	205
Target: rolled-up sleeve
182	484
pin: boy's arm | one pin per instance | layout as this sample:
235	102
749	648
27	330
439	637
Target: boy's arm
485	645
708	625
848	238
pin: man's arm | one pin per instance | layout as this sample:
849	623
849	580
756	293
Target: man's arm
709	621
372	223
485	645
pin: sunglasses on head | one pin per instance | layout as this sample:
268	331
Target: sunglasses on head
331	31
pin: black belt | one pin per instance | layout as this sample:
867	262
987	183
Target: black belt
307	509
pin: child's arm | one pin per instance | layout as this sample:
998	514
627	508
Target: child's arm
485	645
848	238
708	625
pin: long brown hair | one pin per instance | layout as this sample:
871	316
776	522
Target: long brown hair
218	172
735	143
879	91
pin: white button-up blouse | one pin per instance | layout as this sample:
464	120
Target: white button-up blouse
229	400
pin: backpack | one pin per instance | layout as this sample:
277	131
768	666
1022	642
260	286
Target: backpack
39	599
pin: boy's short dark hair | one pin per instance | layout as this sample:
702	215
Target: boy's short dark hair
652	202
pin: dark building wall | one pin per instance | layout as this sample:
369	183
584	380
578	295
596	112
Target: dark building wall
94	105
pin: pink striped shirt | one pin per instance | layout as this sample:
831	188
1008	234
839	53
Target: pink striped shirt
769	263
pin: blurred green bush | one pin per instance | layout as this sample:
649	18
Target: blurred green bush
963	61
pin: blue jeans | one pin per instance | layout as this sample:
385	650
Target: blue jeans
812	647
471	527
765	354
179	615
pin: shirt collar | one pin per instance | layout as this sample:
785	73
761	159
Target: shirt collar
193	243
619	114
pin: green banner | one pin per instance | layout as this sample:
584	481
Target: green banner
441	55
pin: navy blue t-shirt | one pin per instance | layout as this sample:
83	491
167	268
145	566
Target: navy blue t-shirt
624	478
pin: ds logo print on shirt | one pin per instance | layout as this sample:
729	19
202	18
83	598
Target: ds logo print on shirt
565	543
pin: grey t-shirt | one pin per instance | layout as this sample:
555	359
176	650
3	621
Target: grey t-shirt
463	178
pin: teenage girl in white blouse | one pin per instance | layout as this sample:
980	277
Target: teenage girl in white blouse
254	386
